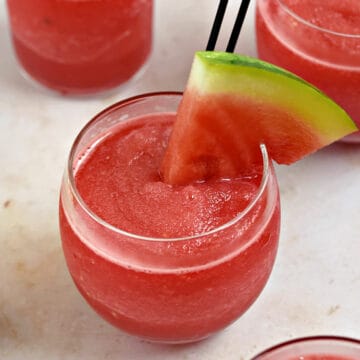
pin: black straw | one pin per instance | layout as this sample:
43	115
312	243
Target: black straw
217	25
236	29
237	26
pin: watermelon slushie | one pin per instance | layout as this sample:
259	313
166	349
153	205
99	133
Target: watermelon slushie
317	40
166	263
314	348
81	47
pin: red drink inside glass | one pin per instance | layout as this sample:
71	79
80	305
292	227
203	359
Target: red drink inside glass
168	264
82	46
317	40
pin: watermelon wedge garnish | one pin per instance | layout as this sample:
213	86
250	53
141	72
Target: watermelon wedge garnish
232	104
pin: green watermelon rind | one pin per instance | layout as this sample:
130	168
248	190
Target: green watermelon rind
225	58
222	72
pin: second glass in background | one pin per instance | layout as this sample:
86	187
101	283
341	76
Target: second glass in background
81	47
317	40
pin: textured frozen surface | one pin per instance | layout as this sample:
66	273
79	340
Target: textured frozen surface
137	200
341	16
314	288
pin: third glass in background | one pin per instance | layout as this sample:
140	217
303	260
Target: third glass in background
81	47
314	348
317	40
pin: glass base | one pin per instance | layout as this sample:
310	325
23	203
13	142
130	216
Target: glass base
175	342
84	94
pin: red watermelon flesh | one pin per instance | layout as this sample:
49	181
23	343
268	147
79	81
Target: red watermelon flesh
219	127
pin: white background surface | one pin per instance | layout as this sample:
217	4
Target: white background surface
314	288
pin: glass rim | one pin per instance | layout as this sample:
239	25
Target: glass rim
123	103
308	339
314	26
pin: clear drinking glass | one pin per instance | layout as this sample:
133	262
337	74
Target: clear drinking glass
165	289
314	348
317	40
81	47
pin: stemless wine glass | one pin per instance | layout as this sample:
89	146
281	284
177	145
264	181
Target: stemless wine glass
165	289
317	40
314	348
81	47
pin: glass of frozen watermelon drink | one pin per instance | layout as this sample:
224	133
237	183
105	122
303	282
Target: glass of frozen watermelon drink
314	348
81	47
169	264
169	206
318	40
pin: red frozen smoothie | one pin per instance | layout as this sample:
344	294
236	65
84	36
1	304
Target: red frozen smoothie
164	288
317	40
81	46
